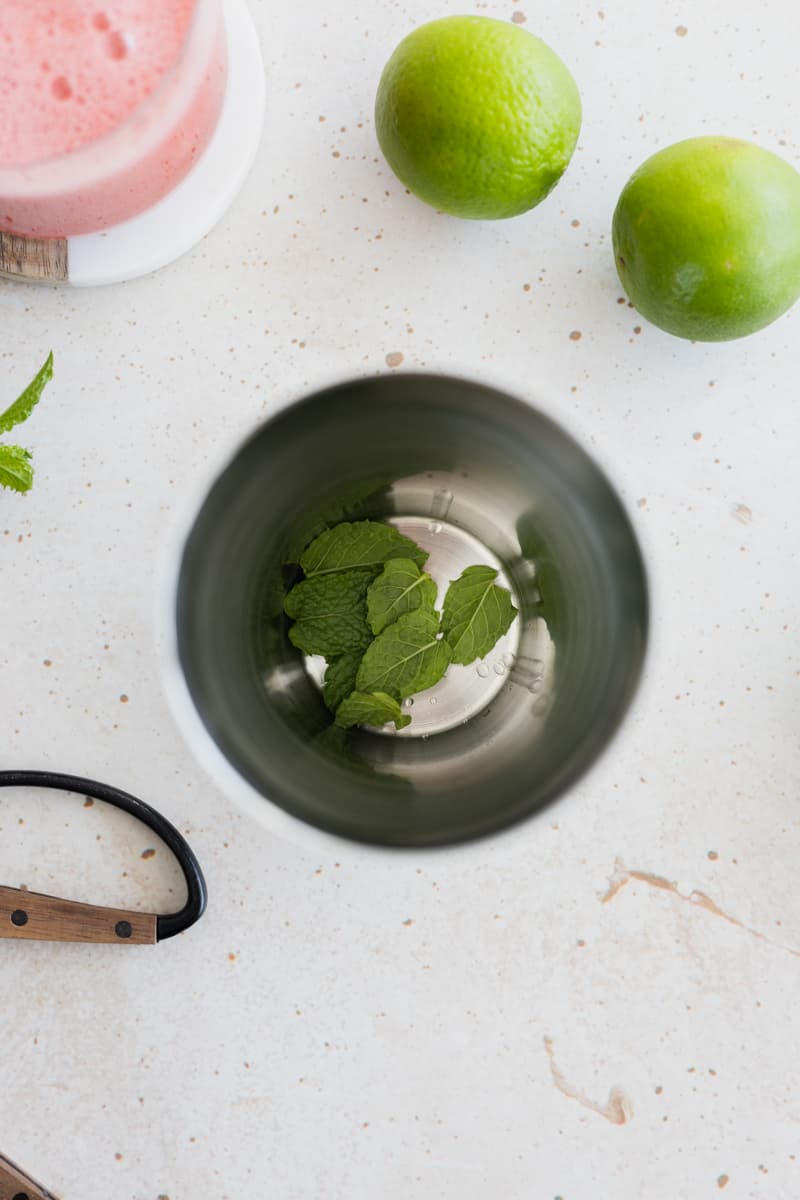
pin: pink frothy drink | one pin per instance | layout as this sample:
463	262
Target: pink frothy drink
105	105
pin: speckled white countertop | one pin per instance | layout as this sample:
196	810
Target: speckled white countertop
474	1024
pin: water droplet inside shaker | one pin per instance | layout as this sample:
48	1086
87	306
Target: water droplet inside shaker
433	700
482	670
508	660
409	702
434	526
527	670
440	505
499	668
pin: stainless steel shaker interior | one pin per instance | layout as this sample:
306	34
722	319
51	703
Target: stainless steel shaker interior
467	471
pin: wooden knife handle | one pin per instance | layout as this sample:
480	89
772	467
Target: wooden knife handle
36	260
49	919
16	1185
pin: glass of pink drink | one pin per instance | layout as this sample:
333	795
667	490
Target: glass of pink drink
106	105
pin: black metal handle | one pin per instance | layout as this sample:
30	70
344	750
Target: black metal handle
197	896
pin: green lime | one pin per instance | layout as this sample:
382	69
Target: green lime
707	238
477	117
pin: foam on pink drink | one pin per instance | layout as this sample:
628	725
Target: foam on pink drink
105	105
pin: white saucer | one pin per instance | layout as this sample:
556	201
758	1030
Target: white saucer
179	221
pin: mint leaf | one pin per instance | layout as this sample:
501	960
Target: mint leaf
23	406
400	588
330	613
349	503
16	471
407	657
476	613
357	544
340	678
377	708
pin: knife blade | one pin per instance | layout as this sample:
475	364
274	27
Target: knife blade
16	1185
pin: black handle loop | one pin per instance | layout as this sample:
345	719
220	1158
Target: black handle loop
173	923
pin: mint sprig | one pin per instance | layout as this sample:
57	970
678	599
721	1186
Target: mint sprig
375	709
400	588
16	471
340	678
476	613
330	613
355	545
367	606
410	656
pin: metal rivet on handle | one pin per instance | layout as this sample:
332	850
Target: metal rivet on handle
19	917
123	929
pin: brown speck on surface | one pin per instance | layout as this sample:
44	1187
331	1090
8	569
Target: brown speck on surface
681	30
88	802
526	287
642	502
408	921
118	1156
620	300
722	1181
580	942
712	854
47	662
637	329
149	853
659	1090
697	437
394	359
231	957
576	335
575	223
617	1108
518	17
123	699
742	514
